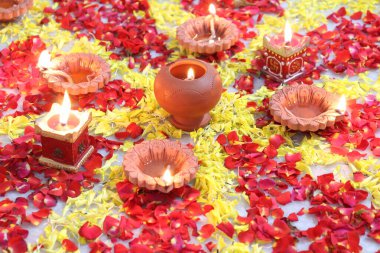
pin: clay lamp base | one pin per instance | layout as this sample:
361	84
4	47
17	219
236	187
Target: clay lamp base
188	100
194	35
160	165
305	108
12	9
78	73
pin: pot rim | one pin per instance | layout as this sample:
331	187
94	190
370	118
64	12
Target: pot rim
206	66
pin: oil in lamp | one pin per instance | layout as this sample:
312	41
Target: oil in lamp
64	136
284	55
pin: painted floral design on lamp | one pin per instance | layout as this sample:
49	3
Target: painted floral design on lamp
284	55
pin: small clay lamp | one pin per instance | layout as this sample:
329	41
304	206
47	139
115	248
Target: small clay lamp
12	9
208	34
78	73
64	136
284	55
160	165
306	107
188	89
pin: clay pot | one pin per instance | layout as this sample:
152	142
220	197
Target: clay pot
193	35
188	101
88	73
11	9
146	163
305	108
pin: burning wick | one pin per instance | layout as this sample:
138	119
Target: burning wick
45	64
190	75
167	177
342	105
212	11
287	33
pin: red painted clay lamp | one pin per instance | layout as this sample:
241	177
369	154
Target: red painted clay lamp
78	73
306	107
188	89
284	55
160	165
207	34
64	136
12	9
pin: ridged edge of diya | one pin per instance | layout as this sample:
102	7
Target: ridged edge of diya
226	30
164	150
99	73
18	8
304	108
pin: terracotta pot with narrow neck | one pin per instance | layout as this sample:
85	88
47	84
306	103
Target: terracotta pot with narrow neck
188	101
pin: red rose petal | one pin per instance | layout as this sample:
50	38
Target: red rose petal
90	232
227	228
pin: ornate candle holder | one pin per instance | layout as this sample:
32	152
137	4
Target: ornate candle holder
283	55
160	165
78	73
306	107
207	35
11	9
188	89
64	146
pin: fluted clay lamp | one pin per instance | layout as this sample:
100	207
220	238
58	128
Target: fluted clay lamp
12	9
284	55
188	89
64	137
207	34
306	107
78	73
160	165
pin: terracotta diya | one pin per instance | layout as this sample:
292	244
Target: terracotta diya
284	55
11	9
160	165
208	34
306	107
188	89
78	73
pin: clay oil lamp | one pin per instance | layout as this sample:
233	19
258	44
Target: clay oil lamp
160	165
306	107
188	89
78	73
284	55
64	136
207	34
12	9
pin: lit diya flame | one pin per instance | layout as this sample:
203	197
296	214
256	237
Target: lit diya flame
167	177
190	74
288	33
65	109
342	105
44	62
212	11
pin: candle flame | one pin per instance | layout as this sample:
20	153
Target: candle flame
167	177
65	109
45	59
288	32
211	9
342	105
190	74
